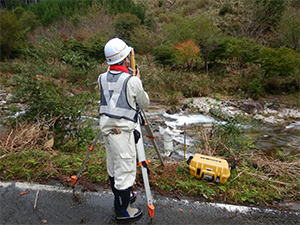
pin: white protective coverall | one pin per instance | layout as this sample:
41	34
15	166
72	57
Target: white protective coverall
120	148
169	134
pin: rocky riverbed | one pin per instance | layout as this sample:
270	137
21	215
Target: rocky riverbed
282	123
265	112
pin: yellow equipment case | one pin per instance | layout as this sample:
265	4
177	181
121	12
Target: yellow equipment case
211	168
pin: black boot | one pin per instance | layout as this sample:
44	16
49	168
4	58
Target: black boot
122	206
132	193
112	184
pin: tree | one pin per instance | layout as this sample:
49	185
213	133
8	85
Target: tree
19	11
126	6
207	34
144	40
11	35
282	62
255	18
163	54
125	24
187	52
29	21
200	29
289	28
280	69
240	50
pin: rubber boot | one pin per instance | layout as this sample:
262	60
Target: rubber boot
133	194
123	209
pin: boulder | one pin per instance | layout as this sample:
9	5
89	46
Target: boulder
252	107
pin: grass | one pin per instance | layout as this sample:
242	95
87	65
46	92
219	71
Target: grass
255	180
25	156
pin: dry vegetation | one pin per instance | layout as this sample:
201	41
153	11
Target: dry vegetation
33	136
26	150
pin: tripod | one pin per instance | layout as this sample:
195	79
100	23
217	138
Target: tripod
142	158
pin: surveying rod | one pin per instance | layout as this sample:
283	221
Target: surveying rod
132	67
184	146
148	129
143	163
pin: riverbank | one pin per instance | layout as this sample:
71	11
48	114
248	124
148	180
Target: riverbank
265	112
255	180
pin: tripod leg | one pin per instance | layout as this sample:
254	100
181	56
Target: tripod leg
151	136
143	163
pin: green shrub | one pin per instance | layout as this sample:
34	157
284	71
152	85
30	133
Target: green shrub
19	11
29	21
12	36
279	62
125	24
256	87
126	6
55	100
49	11
226	8
164	55
97	50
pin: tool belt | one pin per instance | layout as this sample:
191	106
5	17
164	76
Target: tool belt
115	131
136	133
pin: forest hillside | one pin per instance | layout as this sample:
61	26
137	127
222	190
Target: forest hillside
246	48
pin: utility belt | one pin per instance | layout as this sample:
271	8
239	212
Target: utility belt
136	133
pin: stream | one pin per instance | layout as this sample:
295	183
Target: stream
267	138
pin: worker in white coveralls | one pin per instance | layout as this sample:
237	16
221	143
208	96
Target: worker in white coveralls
121	97
169	133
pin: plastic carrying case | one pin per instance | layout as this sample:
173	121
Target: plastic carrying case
211	168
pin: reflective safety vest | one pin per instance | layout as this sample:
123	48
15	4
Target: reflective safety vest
114	102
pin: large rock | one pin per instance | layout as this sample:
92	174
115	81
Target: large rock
252	107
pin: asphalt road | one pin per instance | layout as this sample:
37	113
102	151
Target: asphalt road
25	203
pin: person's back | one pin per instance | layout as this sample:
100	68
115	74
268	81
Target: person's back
121	97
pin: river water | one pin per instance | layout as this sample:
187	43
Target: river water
267	138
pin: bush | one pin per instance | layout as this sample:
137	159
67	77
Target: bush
256	87
279	62
126	6
19	11
49	11
97	50
29	21
46	90
164	55
187	52
12	36
125	24
226	8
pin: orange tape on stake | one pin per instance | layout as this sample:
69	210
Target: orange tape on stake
146	161
151	210
74	179
151	137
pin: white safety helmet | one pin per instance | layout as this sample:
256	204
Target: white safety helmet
116	50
